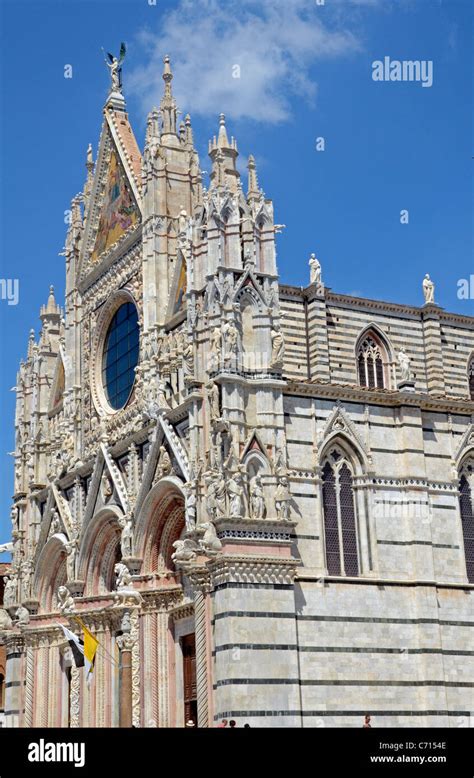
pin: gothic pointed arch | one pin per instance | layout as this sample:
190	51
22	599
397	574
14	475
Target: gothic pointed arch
50	572
373	355
466	506
159	524
340	427
465	447
100	551
339	465
254	457
470	376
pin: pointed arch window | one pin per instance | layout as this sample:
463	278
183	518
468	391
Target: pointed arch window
339	516
466	502
372	363
470	374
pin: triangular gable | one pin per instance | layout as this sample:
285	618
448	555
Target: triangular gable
115	200
466	443
253	443
248	281
119	210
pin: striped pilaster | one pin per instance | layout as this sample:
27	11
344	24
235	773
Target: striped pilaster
433	351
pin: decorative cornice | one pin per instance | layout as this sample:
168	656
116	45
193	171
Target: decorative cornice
252	569
255	529
162	600
390	398
382	306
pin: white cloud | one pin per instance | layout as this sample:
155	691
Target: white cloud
274	42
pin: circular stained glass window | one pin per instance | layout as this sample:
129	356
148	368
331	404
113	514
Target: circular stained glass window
121	355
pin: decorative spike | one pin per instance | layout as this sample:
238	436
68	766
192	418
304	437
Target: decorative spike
31	344
152	136
51	307
168	103
222	141
253	190
189	131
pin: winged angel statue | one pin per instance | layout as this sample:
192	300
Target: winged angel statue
115	66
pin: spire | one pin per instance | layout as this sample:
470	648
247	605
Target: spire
223	155
222	139
189	131
31	344
90	171
90	159
152	136
168	103
253	190
51	311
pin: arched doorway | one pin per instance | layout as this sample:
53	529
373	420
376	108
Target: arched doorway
170	654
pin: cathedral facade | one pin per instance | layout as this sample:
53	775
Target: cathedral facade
257	497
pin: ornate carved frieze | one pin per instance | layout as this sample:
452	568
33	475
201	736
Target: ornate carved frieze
239	569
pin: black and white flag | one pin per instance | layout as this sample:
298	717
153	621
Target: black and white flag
77	646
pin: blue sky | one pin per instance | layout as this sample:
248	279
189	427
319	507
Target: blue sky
305	72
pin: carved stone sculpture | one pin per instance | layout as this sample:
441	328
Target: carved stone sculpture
123	578
10	591
257	498
213	397
185	550
22	616
188	359
126	537
282	498
71	553
66	602
190	508
5	620
278	347
236	496
404	364
315	270
215	350
428	289
210	543
115	67
161	396
231	335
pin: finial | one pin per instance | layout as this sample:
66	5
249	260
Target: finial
253	189
168	104
222	140
167	73
31	344
90	159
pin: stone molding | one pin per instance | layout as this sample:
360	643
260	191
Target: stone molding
258	570
389	397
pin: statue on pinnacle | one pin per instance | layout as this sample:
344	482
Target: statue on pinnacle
115	66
